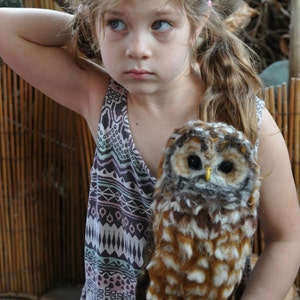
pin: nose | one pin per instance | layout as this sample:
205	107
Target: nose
138	47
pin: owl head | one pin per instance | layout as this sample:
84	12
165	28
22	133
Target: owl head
212	163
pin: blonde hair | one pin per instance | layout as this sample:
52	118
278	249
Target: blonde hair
226	65
229	72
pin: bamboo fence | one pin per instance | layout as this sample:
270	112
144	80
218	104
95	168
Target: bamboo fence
45	156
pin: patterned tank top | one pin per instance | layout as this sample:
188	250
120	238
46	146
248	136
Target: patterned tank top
118	213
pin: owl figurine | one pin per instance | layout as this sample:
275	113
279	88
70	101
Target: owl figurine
204	214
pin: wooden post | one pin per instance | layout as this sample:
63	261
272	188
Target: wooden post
294	67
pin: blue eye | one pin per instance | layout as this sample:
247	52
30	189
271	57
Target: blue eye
161	25
117	25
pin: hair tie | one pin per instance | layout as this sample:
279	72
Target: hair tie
81	9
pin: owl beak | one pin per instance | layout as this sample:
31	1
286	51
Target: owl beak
207	173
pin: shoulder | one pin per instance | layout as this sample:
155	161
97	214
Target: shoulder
278	186
272	144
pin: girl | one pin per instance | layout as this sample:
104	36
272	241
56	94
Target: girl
156	64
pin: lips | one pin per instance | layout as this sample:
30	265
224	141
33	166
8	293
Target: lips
138	74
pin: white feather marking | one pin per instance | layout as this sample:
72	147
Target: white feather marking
220	254
203	262
150	296
248	228
186	249
221	275
172	280
208	247
197	276
239	264
170	263
200	233
232	279
200	291
166	236
227	292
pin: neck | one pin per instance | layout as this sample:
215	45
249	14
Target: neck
178	98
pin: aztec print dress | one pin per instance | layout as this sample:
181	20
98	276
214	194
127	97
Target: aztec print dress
118	213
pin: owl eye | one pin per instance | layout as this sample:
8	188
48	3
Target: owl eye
226	166
194	162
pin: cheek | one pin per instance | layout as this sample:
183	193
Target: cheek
180	62
109	55
175	56
179	55
110	49
173	63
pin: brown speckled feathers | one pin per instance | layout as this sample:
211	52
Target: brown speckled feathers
204	214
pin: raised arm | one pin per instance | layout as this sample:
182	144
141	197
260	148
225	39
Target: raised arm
32	43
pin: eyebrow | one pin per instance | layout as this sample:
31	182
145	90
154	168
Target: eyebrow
158	13
113	12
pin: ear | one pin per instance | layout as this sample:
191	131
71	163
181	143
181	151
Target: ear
199	28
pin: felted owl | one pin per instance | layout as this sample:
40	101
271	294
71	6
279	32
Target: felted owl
204	214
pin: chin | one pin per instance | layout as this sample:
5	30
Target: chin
141	88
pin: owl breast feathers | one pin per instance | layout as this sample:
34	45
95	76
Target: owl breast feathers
204	214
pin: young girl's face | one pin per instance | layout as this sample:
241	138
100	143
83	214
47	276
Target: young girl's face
145	45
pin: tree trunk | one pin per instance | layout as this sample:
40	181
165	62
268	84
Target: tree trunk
294	67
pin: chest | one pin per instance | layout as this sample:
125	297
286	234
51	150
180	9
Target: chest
150	139
151	129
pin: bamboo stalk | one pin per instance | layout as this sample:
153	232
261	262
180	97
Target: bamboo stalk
74	193
295	159
39	207
29	176
34	194
60	205
291	117
279	101
6	181
56	207
17	191
285	113
296	162
22	111
267	97
3	230
47	159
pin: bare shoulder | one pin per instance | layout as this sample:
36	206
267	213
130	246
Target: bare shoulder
273	152
279	211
